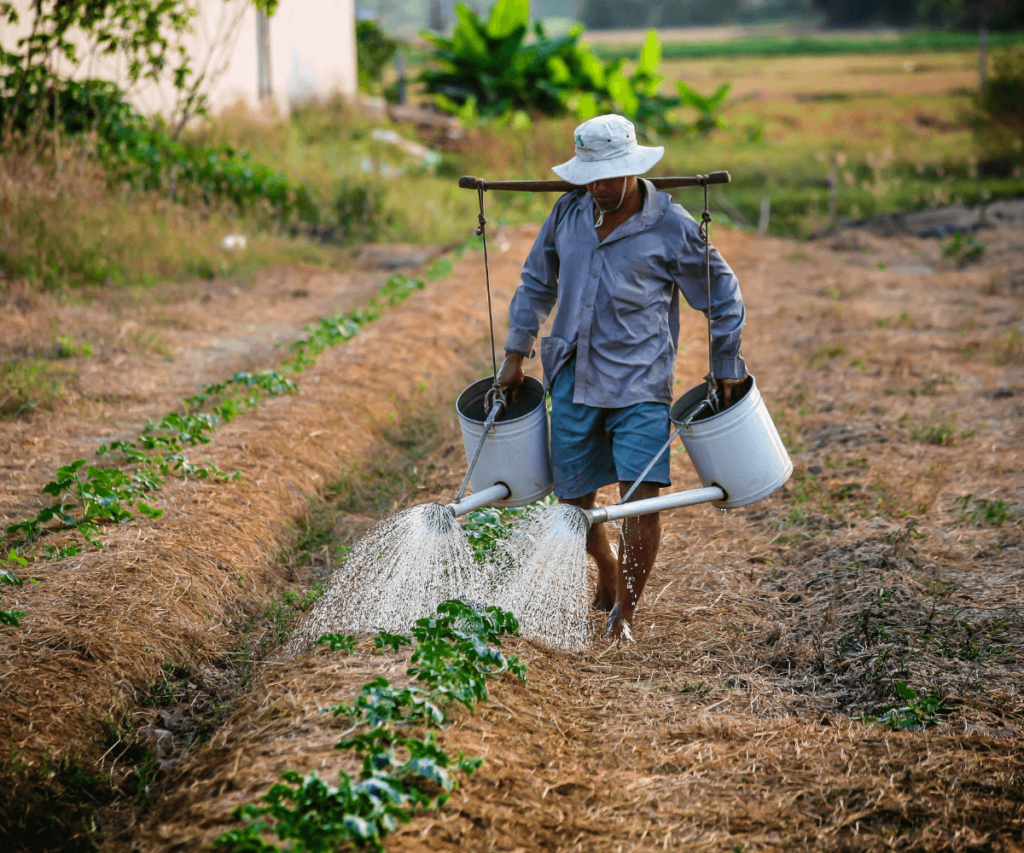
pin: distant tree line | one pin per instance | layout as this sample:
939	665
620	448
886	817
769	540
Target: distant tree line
634	14
956	14
640	14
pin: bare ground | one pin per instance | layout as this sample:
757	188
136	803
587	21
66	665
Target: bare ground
897	379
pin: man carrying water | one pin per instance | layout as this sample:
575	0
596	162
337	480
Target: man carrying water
614	254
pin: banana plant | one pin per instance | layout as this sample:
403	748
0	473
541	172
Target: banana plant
490	70
707	107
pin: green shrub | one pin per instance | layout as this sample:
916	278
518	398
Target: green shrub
374	50
360	211
145	154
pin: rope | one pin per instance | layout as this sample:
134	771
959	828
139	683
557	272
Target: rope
494	399
481	231
705	221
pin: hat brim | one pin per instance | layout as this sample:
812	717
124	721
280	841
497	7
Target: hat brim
582	172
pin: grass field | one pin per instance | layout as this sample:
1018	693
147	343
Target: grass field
897	124
776	41
892	119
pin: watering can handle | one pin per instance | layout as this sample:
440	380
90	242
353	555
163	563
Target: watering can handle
468	182
496	406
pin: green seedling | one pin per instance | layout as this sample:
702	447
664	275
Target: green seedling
251	385
318	816
912	713
382	749
390	642
9	578
456	620
12	617
484	529
340	328
175	430
101	496
380	702
963	249
452	654
400	775
984	510
338	642
938	429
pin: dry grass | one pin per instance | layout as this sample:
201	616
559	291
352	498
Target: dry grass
732	722
63	223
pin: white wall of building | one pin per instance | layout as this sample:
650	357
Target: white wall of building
312	54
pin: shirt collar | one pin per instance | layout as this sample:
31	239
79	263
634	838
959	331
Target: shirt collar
651	211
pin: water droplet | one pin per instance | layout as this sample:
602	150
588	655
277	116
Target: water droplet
398	573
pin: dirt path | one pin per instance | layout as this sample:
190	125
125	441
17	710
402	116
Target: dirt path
895	377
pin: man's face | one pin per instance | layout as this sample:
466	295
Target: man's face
608	193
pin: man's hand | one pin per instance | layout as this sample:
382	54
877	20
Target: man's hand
730	391
511	375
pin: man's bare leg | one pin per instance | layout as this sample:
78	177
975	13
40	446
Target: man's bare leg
600	550
638	549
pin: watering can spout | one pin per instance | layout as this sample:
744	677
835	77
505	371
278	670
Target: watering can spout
493	494
650	505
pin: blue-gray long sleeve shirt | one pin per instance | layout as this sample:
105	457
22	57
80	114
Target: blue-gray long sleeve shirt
618	300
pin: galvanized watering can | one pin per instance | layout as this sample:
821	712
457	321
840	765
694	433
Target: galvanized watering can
738	449
513	462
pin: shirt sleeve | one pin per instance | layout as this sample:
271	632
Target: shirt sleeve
727	311
538	288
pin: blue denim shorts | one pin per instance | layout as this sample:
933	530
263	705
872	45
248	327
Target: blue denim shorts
593	447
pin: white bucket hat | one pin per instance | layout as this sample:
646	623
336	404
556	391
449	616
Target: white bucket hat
606	147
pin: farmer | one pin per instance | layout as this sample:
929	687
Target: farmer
614	254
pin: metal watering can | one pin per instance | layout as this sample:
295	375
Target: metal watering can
737	454
510	457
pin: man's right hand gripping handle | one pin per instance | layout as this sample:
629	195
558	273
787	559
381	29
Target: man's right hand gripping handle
511	375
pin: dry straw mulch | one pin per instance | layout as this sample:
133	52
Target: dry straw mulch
105	627
732	721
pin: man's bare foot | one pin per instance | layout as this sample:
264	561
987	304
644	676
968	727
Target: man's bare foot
618	626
